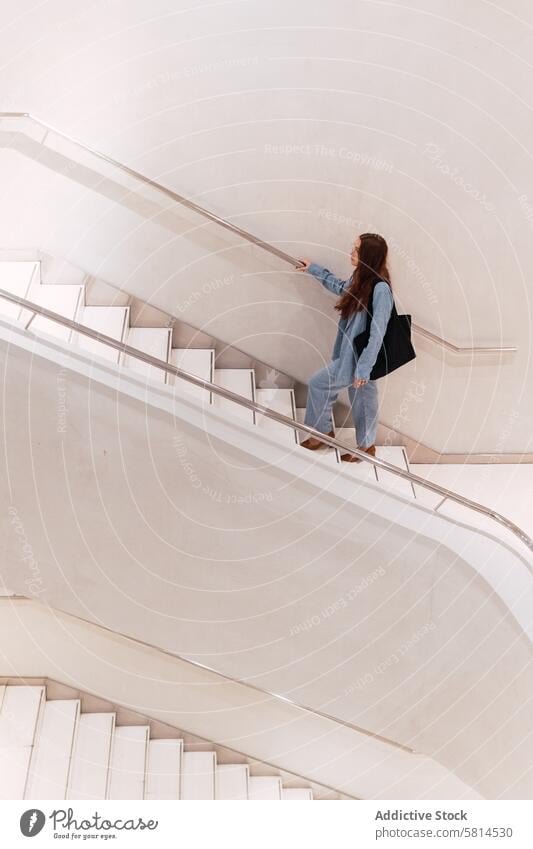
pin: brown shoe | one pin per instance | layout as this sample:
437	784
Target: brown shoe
313	444
351	458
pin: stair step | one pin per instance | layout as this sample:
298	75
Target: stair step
64	300
198	775
16	278
362	470
197	361
13	775
90	757
127	765
19	715
282	401
396	456
50	762
163	769
238	380
111	321
264	787
331	454
231	781
155	341
296	793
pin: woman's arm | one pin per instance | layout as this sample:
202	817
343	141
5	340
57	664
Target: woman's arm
329	281
381	311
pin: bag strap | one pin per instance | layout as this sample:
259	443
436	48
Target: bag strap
370	305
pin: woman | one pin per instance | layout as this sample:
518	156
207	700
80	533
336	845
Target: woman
370	279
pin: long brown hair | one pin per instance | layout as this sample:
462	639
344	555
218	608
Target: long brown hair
371	264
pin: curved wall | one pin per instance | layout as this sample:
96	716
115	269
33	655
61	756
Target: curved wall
198	533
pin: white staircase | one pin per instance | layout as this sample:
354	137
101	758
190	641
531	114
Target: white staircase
198	775
51	749
296	794
282	401
24	279
163	769
127	766
242	382
265	787
197	361
111	321
156	341
91	755
50	762
16	277
19	715
232	781
65	300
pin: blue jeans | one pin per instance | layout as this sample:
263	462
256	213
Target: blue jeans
321	395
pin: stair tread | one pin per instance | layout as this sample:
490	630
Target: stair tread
127	764
198	775
52	751
231	781
90	757
331	453
238	380
163	769
14	772
296	793
197	361
15	277
395	455
111	321
264	787
282	401
155	341
390	453
64	300
19	714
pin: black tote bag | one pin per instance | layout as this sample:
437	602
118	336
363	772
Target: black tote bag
397	348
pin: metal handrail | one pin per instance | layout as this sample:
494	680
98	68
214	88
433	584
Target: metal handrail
266	411
456	349
239	231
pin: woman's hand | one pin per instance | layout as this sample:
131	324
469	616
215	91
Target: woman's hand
359	382
305	263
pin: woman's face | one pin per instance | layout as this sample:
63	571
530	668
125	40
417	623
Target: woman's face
355	252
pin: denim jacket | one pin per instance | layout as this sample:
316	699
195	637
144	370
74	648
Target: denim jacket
350	367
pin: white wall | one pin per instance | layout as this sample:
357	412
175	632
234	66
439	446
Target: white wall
196	533
217	100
